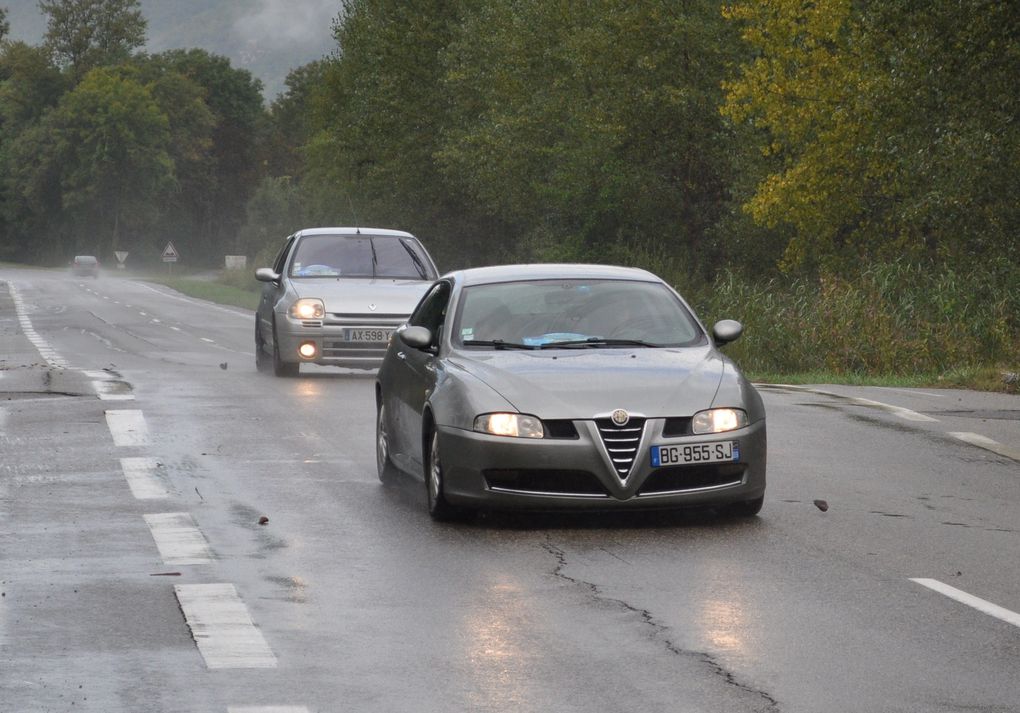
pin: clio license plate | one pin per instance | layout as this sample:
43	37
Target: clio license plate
367	335
693	453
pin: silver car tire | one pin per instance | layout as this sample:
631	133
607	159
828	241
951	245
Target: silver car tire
281	367
439	508
261	363
387	471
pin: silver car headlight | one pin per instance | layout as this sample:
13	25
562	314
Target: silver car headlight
718	420
518	425
308	308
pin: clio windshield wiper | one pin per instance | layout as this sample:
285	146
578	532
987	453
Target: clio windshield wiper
599	342
375	258
418	264
497	344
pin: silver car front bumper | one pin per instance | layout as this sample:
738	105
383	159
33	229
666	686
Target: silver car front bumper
480	470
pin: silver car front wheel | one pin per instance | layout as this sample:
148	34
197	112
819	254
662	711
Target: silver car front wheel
439	509
383	464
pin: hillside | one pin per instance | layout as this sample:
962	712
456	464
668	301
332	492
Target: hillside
266	37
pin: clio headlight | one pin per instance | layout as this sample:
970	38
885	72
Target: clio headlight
308	308
518	425
718	420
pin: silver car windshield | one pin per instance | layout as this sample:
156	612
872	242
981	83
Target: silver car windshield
360	256
545	314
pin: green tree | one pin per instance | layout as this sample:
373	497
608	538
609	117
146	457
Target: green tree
109	146
290	126
30	86
83	34
234	99
889	127
378	123
5	27
593	123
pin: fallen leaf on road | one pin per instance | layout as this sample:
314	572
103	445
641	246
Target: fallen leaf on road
821	505
263	520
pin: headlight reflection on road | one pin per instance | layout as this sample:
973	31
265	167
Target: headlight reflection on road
500	665
725	625
310	388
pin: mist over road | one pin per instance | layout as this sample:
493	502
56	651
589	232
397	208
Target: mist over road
179	532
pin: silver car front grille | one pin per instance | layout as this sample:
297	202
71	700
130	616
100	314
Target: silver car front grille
368	319
621	442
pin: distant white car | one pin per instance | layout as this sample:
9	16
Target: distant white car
335	295
85	266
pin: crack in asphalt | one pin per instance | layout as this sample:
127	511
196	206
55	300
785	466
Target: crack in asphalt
660	631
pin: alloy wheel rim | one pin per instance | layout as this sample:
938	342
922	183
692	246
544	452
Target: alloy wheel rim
435	470
381	443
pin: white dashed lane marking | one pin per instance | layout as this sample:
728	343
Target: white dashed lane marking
178	538
267	709
222	628
976	439
970	600
113	391
144	479
128	428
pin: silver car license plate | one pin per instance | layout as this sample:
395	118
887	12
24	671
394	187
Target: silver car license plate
367	335
688	454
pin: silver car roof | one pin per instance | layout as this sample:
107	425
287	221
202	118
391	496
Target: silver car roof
549	271
352	231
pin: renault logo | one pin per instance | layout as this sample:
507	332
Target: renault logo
620	417
372	307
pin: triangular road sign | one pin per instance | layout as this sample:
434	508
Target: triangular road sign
170	253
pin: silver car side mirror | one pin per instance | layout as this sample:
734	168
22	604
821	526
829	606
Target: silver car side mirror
726	331
416	337
266	274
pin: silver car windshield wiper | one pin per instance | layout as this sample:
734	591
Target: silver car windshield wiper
600	342
418	264
497	344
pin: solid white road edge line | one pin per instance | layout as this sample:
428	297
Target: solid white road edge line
976	439
45	351
970	600
899	411
128	428
200	303
222	628
178	538
143	478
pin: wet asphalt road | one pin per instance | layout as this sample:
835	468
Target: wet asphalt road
115	511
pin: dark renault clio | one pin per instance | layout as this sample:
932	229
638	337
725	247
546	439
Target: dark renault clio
567	386
335	295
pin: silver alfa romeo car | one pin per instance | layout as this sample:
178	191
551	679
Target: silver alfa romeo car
335	295
567	387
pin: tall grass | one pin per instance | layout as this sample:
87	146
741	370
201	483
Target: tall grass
887	319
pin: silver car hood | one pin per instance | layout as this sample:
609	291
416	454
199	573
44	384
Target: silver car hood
583	384
382	296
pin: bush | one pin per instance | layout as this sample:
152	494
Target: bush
888	319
